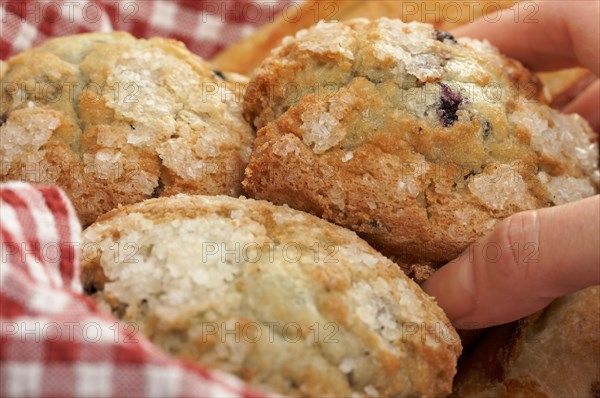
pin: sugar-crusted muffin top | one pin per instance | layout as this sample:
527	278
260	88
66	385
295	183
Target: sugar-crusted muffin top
112	119
418	122
186	262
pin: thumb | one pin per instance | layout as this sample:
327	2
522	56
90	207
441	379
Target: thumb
528	260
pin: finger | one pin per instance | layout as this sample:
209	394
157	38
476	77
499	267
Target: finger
544	35
587	104
528	260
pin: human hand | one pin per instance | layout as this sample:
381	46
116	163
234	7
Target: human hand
540	254
537	256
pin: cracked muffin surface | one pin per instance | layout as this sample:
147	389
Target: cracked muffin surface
552	353
283	299
418	141
114	120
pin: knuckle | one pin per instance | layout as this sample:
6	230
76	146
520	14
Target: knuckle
522	229
519	237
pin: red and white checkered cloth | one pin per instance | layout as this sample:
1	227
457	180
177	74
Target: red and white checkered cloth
55	342
205	26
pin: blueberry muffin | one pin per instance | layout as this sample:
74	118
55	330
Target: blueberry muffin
112	120
417	141
283	299
553	353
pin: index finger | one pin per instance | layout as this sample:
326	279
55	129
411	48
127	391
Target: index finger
535	257
544	35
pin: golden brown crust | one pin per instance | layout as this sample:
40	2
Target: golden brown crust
115	120
391	132
389	338
555	353
351	193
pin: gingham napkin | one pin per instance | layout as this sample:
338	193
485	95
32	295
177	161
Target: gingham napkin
205	26
54	340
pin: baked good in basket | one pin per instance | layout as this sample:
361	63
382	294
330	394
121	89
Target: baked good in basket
417	141
284	300
115	120
553	353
